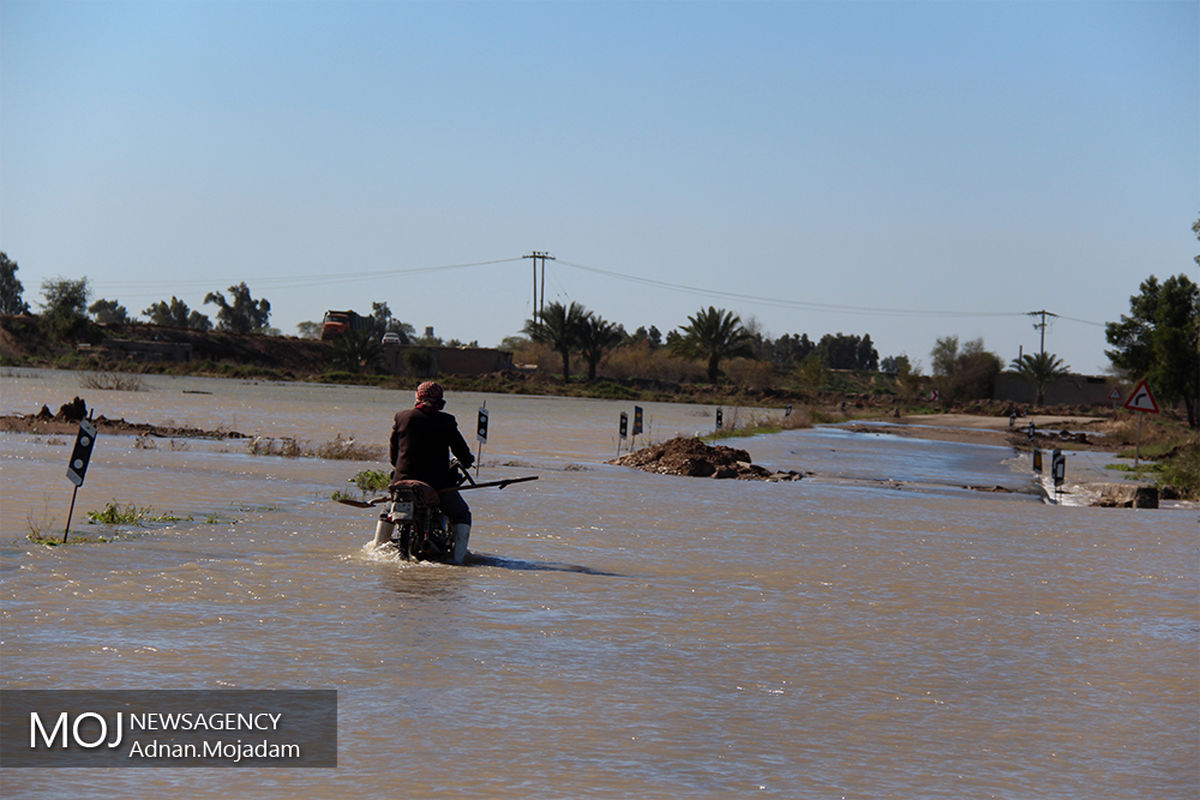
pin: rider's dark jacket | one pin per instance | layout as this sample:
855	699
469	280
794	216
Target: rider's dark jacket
421	443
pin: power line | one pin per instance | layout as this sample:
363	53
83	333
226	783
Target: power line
814	306
784	303
1082	321
302	281
306	281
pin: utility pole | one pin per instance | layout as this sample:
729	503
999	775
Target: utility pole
538	305
1043	313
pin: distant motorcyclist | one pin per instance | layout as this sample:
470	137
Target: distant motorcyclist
423	437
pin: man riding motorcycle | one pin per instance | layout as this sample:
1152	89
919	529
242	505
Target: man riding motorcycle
421	442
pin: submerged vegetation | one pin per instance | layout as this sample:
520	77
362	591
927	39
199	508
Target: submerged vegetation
44	531
114	381
116	514
368	481
38	537
341	448
129	514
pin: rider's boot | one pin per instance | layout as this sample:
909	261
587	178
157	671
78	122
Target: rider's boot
462	533
383	530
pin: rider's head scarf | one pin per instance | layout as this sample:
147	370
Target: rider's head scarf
429	395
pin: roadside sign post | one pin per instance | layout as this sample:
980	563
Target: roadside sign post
1141	400
85	440
1058	469
637	427
1037	460
720	418
622	430
481	433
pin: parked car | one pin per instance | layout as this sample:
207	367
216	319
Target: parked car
391	337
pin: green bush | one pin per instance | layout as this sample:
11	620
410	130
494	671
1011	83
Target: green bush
1180	474
116	514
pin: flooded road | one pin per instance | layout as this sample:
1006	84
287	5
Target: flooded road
873	631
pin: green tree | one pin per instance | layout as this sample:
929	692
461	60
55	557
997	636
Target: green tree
812	373
1159	340
199	322
791	349
308	329
64	307
11	289
383	322
848	352
559	327
652	336
356	351
896	365
173	314
107	312
244	314
1196	230
511	343
1039	371
596	337
176	314
714	334
968	373
944	355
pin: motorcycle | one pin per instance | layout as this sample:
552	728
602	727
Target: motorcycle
413	523
421	526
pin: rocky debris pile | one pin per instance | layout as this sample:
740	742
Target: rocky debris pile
687	455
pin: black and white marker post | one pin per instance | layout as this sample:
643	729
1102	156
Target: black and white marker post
85	440
481	434
637	427
1058	470
622	430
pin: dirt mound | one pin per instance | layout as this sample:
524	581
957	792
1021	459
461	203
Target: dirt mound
67	419
690	456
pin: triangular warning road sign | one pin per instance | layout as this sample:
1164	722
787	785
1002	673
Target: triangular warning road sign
1142	399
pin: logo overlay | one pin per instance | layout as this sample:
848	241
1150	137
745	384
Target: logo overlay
168	728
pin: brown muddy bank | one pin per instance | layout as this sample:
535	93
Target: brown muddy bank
68	416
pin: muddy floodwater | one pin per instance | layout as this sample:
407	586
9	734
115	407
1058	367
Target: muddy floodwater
872	631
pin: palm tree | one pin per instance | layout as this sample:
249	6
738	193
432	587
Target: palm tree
355	351
559	327
596	337
1040	370
714	334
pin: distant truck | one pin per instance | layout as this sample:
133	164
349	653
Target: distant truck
338	322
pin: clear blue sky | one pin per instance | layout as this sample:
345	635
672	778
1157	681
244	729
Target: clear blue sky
907	170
